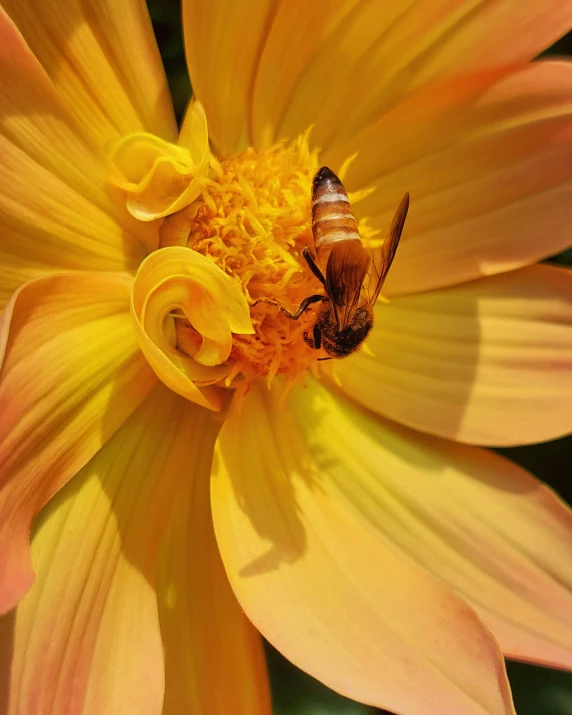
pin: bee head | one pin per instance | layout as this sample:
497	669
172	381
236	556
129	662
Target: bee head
340	344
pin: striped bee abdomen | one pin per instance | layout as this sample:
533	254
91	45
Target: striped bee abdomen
332	217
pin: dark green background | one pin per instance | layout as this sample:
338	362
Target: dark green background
537	691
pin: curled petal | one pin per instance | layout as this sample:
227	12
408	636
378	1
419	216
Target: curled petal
185	310
161	178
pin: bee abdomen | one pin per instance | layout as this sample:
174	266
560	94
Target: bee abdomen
332	217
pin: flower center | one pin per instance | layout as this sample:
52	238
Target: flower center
253	218
209	305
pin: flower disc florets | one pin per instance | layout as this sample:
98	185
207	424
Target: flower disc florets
207	304
253	218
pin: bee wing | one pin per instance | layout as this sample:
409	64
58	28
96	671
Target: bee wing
346	270
383	258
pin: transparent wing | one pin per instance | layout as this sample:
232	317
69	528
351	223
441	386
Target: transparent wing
382	258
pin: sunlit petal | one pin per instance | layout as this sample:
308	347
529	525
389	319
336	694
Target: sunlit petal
56	212
102	57
72	373
487	362
474	519
86	639
223	41
350	61
214	663
488	164
335	596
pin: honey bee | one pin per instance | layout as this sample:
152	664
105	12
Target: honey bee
352	276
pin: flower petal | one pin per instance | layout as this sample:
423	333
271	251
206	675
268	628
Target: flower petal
72	373
489	169
86	639
176	286
480	523
352	61
56	212
335	596
214	662
102	57
161	178
477	363
223	43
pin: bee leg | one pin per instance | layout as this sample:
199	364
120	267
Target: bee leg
312	265
304	305
314	341
317	337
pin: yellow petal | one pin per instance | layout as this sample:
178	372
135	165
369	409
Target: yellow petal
72	373
162	178
477	363
56	212
103	59
180	279
86	639
214	662
485	526
335	596
488	163
223	41
348	62
47	227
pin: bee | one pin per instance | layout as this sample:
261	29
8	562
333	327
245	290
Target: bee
352	277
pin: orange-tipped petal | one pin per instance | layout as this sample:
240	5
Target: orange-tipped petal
161	178
56	212
480	523
86	639
214	662
488	170
348	61
486	362
103	59
177	288
72	373
338	598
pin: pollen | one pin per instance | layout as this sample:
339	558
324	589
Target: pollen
252	218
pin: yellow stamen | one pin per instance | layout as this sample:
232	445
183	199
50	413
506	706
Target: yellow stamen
251	217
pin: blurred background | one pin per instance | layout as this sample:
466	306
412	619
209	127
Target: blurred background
537	691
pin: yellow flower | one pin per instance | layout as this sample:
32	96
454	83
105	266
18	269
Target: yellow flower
349	511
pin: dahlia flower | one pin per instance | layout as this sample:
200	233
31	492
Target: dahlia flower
187	472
